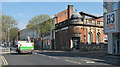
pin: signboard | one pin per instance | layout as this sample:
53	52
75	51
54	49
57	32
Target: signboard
110	22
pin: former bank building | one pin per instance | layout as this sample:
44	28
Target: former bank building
73	29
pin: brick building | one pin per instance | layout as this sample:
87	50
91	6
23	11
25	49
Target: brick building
72	29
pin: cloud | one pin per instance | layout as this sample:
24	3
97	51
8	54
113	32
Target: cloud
21	14
22	24
99	14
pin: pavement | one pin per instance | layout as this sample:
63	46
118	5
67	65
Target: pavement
53	57
91	53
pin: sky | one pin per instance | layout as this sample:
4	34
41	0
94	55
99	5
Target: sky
22	12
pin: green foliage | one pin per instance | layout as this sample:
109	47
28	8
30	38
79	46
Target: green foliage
13	32
43	24
8	22
39	19
29	25
45	27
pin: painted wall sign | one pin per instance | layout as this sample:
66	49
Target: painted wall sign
110	22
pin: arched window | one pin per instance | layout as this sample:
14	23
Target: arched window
99	37
91	37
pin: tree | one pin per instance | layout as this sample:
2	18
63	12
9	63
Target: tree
7	23
45	28
39	19
29	25
13	32
42	24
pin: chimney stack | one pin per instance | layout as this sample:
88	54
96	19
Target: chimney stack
70	10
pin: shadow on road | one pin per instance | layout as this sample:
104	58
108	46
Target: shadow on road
19	54
99	55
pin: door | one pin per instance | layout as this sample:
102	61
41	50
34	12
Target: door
76	42
117	47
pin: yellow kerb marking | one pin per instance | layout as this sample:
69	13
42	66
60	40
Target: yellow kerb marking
4	60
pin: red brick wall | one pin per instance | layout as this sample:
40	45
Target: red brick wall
102	36
94	36
64	15
86	35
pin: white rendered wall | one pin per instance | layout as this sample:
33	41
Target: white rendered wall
110	43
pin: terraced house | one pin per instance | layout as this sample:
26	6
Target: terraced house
73	29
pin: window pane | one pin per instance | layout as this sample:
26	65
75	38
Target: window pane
114	6
119	5
105	7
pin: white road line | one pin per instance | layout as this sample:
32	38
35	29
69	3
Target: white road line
73	61
85	60
90	62
49	56
97	60
42	55
53	57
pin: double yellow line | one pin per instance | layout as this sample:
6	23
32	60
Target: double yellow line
4	60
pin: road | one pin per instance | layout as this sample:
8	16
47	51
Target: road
53	58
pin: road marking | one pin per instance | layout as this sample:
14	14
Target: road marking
97	60
90	62
42	55
53	57
73	61
4	60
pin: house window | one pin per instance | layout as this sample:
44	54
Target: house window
114	5
91	37
98	22
86	20
84	35
90	21
105	7
99	37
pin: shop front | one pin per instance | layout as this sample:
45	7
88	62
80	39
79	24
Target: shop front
116	43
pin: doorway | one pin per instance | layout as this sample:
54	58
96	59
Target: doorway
76	43
117	46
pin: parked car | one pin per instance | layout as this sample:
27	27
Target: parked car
2	44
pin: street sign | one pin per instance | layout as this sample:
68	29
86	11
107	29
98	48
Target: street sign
110	22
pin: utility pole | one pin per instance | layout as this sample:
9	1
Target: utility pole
8	36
